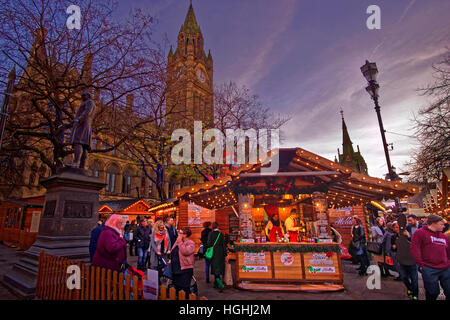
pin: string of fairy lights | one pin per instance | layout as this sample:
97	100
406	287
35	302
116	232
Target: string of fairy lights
346	188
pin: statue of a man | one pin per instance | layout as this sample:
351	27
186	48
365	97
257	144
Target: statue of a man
82	130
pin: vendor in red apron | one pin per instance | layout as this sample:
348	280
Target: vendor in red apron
291	226
274	228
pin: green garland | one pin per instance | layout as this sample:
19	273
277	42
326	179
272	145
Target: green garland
288	248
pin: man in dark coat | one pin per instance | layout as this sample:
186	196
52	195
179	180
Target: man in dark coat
413	225
143	243
82	131
173	234
219	255
95	234
204	239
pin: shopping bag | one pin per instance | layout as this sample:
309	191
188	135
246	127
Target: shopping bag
228	277
389	261
345	255
130	236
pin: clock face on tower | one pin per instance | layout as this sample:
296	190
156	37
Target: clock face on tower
201	75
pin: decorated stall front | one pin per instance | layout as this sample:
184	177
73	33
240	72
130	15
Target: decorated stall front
279	223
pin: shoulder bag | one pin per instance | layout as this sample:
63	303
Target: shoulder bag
210	251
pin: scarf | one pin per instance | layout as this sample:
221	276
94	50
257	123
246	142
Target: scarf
161	236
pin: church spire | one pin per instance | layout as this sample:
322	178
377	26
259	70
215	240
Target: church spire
349	157
347	144
190	25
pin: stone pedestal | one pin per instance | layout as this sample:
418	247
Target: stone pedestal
68	217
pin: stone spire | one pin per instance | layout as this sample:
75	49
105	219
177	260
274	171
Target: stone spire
190	25
349	157
347	144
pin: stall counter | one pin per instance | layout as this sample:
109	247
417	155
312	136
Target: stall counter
288	263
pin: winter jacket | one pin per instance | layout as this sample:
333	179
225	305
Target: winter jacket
409	228
154	258
173	234
111	250
95	234
386	242
404	256
430	249
377	234
185	253
142	236
204	236
219	252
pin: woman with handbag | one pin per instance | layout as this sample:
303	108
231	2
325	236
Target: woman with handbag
358	245
182	261
204	239
216	242
159	247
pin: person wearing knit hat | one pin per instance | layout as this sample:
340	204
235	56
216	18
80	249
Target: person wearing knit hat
430	249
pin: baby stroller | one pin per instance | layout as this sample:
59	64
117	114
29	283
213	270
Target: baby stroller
166	276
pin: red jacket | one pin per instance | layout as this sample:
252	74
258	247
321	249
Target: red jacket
431	249
111	250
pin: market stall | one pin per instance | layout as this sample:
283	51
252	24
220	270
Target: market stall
279	224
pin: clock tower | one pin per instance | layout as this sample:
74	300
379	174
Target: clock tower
190	78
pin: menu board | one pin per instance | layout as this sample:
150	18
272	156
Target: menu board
233	227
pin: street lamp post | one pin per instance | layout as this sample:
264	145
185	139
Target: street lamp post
370	72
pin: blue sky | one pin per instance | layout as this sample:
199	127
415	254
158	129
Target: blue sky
302	57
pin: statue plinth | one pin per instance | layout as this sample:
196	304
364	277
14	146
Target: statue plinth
68	217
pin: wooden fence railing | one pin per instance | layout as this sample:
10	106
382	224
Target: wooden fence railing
95	283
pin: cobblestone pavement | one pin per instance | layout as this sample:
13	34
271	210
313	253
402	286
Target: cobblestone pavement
355	286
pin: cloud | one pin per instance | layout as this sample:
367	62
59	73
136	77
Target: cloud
405	66
261	64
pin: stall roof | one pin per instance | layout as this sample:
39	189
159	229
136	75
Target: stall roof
300	172
164	205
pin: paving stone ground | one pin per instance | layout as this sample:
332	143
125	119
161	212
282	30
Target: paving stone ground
355	286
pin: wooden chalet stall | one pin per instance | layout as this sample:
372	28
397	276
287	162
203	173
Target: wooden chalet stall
307	259
133	208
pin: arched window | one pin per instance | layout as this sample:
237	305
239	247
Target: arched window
95	168
171	189
126	182
111	177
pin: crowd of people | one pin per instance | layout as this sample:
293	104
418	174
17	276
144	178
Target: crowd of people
408	248
417	247
158	246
